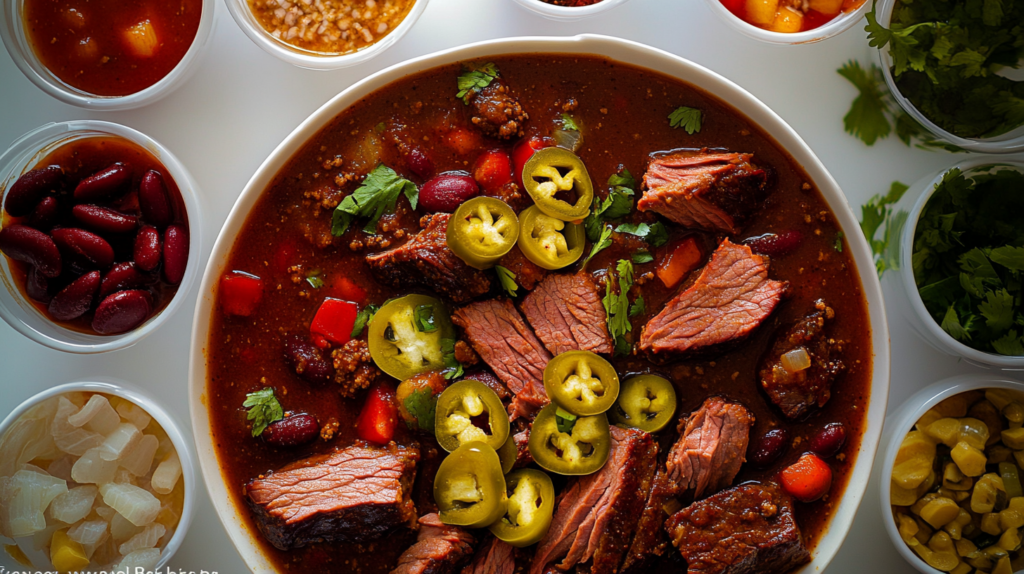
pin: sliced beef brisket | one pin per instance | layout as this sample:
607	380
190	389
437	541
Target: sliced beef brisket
567	314
711	191
439	549
744	530
711	448
797	393
527	273
493	557
730	298
596	515
426	261
355	494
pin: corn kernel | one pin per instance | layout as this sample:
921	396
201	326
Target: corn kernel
969	459
66	554
1010	519
983	498
1010	540
961	568
939	512
907	526
1014	438
990	524
974	432
965	547
998	397
1003	566
1014	412
900	496
945	430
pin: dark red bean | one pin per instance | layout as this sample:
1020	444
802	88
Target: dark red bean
775	244
305	359
129	203
419	163
768	448
829	440
22	243
292	431
37	286
123	276
154	201
23	196
175	253
110	182
147	248
74	300
104	219
447	191
88	246
46	214
122	311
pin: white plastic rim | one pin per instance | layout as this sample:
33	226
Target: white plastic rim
20	49
166	420
921	320
1010	142
568	13
902	421
22	314
235	519
834	27
240	12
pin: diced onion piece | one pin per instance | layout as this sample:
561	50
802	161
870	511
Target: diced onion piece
166	474
138	506
73	505
796	360
121	529
134	414
66	436
140	561
97	415
92	469
142	39
117	443
89	533
30	494
148	538
140	458
28	439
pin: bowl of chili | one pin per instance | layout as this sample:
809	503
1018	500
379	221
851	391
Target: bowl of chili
776	22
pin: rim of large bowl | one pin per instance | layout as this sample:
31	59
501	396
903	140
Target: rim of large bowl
834	27
636	54
18	158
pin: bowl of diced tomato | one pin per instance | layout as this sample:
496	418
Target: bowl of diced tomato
790	21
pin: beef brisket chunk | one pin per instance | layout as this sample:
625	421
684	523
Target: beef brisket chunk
650	541
746	529
711	448
596	515
710	191
493	557
523	456
354	494
567	314
797	393
426	261
439	549
504	341
497	112
527	273
730	298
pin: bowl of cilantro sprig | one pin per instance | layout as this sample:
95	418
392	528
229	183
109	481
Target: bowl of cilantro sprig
952	255
956	67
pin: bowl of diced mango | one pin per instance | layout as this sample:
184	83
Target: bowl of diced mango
954	500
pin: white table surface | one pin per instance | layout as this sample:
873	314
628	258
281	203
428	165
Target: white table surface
242	102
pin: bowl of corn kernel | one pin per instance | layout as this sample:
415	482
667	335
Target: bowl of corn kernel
954	500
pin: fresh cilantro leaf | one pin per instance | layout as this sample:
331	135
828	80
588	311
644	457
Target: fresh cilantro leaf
474	79
507	279
623	179
376	196
604	241
315	281
867	118
569	123
642	256
656	234
997	308
617	204
564	420
1009	344
423	315
422	404
838	245
951	324
263	409
638	308
453	368
362	318
687	118
1008	256
616	306
379	128
876	212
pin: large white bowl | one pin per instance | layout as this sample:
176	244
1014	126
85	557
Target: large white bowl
614	48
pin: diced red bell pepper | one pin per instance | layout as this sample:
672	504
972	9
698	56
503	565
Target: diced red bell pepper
462	140
807	479
681	258
493	169
344	288
334	320
522	153
379	417
240	293
285	256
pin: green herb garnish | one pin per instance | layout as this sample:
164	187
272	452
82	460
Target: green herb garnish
568	123
876	212
642	256
315	281
654	234
508	280
375	197
638	307
602	242
475	79
263	409
616	306
422	404
687	118
838	244
362	318
617	204
564	420
453	368
423	316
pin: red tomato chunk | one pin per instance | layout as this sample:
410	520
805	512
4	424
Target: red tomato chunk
334	320
493	169
240	293
807	479
379	416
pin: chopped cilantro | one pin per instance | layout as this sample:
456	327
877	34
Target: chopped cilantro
876	212
603	241
362	318
564	420
422	404
617	204
508	280
642	256
638	308
687	118
838	245
375	197
263	409
314	280
655	234
476	78
569	123
424	317
453	368
379	128
616	306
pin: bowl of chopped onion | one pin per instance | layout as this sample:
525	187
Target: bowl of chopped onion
94	476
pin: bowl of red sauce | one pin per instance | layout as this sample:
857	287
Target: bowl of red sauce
106	54
790	21
99	235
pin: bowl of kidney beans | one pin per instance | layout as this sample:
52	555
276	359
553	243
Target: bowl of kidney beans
99	235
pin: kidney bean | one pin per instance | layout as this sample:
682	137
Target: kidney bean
447	191
154	201
88	246
147	248
31	187
305	359
74	300
46	214
104	219
292	431
109	182
37	286
829	440
22	243
121	277
122	311
175	253
775	244
419	163
768	448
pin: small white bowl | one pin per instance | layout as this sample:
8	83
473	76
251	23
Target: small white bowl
899	279
22	314
836	26
239	10
20	49
567	13
902	421
182	445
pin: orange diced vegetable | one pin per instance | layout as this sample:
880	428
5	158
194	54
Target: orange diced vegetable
807	479
787	21
86	49
827	7
762	12
142	39
462	140
682	258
